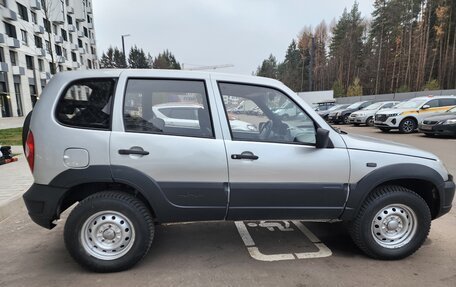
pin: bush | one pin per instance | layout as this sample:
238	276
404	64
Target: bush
355	89
432	85
338	89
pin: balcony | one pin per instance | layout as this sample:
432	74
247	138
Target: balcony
58	39
3	67
35	5
80	34
74	47
82	51
61	59
45	76
70	10
9	14
80	17
90	26
40	52
38	29
13	43
75	65
71	28
18	71
93	42
2	38
89	10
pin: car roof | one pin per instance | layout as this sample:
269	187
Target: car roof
433	97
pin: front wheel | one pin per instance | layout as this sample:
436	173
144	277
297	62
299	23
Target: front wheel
109	231
370	122
346	119
407	126
392	223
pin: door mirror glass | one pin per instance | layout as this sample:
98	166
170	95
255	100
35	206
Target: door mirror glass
425	107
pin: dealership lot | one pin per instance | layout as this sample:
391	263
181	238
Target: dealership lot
217	253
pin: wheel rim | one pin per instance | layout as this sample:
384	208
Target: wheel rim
408	126
107	235
394	226
370	121
346	120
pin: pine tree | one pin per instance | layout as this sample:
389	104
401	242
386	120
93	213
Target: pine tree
166	60
112	59
137	59
268	68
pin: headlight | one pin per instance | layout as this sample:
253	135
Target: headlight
450	122
360	115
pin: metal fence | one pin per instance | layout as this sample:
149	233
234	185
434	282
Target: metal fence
395	96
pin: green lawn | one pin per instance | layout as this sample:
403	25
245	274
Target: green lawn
11	136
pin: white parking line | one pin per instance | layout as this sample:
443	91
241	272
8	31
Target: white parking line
255	253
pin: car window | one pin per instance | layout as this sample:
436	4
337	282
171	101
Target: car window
387	106
433	103
170	107
447	102
87	104
267	115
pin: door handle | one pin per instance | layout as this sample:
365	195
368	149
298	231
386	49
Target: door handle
133	151
245	155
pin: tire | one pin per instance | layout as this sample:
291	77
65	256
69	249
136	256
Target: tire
346	120
385	130
123	218
407	126
390	207
370	122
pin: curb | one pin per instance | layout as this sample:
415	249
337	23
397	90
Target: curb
8	208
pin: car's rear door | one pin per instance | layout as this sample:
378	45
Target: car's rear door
271	175
186	165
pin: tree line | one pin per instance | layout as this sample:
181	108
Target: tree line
114	58
406	45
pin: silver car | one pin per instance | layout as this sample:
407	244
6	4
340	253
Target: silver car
366	116
95	139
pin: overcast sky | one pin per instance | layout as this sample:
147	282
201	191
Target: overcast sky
213	32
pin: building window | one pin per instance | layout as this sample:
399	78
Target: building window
24	37
71	38
86	32
87	47
56	30
65	53
78	26
64	34
80	43
38	42
13	56
70	20
17	88
22	12
34	19
3	3
47	25
89	63
48	47
2	56
58	50
41	65
29	61
33	95
10	30
74	57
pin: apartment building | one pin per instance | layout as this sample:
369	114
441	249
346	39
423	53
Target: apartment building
37	39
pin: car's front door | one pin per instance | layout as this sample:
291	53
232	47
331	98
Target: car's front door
186	164
275	170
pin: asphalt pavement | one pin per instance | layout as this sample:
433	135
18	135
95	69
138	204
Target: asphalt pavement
253	253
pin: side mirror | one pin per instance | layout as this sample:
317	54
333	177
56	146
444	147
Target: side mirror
425	107
322	138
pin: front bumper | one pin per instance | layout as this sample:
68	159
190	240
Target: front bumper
447	196
358	119
439	129
43	204
389	122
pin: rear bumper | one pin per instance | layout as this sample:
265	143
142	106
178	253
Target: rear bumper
43	202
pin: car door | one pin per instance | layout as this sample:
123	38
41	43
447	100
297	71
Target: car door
186	165
271	175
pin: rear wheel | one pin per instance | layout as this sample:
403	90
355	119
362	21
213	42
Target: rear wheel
109	232
392	223
370	121
407	126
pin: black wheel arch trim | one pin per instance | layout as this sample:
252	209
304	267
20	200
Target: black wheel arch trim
407	171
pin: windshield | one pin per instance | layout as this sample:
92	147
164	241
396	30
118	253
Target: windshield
410	104
355	105
374	106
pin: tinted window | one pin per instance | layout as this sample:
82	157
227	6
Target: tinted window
87	104
433	103
447	102
171	107
265	115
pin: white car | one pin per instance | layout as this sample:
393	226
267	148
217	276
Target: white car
407	115
366	115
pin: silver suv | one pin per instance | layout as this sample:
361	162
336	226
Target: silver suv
103	140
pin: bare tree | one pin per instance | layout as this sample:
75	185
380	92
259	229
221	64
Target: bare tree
49	8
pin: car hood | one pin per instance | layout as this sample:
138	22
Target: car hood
359	142
442	117
393	111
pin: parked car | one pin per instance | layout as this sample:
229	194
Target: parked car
366	115
287	110
342	116
442	124
324	105
325	114
407	115
125	170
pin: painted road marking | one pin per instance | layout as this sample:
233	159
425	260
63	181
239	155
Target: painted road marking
282	226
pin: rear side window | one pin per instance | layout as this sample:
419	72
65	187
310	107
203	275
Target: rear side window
87	104
447	102
169	107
